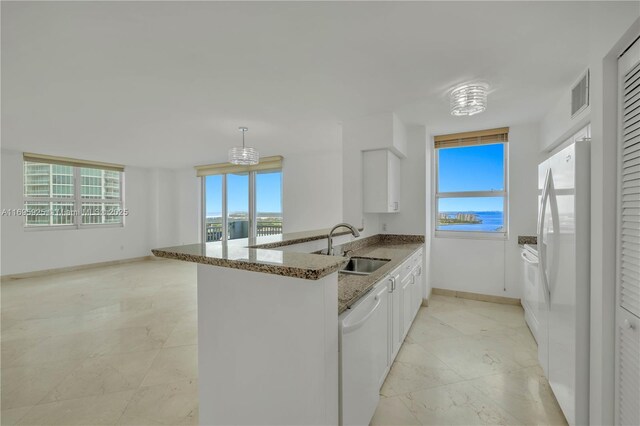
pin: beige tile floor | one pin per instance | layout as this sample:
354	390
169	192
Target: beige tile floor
117	345
466	362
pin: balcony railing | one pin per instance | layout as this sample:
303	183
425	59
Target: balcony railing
240	229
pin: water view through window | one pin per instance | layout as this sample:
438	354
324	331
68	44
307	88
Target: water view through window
471	188
268	205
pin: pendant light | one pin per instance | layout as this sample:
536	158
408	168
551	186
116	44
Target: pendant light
469	99
245	156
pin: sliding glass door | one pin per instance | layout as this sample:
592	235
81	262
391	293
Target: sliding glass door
213	203
237	205
268	203
241	205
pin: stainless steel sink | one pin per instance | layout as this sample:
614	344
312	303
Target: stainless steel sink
363	265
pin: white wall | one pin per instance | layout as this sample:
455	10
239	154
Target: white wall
557	125
411	219
377	131
189	206
33	250
163	217
312	190
523	197
165	209
414	216
493	266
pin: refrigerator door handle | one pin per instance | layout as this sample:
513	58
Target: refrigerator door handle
555	223
542	259
524	257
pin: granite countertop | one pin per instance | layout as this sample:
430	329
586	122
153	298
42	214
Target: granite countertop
261	255
352	287
258	255
527	239
269	261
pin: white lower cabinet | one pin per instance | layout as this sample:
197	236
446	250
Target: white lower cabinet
406	295
371	334
395	336
416	297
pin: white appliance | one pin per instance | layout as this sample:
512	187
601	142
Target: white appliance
533	297
563	251
364	358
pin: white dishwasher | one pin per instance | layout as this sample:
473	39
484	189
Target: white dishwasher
364	355
531	300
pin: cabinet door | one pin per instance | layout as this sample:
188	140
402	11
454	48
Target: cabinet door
395	323
394	184
406	297
374	169
381	181
417	289
381	339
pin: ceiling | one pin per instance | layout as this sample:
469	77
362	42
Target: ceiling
166	84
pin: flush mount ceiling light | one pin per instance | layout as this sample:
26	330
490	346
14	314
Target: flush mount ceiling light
245	156
469	99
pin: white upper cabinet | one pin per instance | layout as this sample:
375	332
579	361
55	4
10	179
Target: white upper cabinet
381	179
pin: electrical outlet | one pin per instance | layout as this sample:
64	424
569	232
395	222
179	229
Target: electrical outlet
384	227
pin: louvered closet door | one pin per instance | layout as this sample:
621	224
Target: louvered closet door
630	196
628	354
628	285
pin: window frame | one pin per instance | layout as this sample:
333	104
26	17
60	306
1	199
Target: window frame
76	200
437	195
252	204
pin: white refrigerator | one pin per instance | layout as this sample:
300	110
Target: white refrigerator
563	247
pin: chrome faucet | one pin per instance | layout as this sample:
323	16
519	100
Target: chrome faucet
353	229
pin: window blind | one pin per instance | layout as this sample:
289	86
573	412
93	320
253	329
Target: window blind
64	161
479	137
630	194
266	163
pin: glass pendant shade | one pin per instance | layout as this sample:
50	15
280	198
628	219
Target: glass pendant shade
469	99
244	156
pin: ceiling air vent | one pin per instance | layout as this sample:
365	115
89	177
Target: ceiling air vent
580	95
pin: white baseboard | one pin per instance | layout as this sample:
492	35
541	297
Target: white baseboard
33	274
476	296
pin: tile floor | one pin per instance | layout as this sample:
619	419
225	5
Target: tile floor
118	345
466	362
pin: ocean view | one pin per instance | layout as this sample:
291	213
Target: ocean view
491	222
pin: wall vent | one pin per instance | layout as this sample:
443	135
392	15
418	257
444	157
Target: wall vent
580	95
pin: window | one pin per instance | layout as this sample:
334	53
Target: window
71	193
241	202
471	184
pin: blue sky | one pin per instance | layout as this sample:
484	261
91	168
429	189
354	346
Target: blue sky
268	193
473	168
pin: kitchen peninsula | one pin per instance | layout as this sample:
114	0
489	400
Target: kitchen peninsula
268	330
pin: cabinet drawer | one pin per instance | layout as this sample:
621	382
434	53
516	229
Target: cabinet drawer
417	258
406	268
410	264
